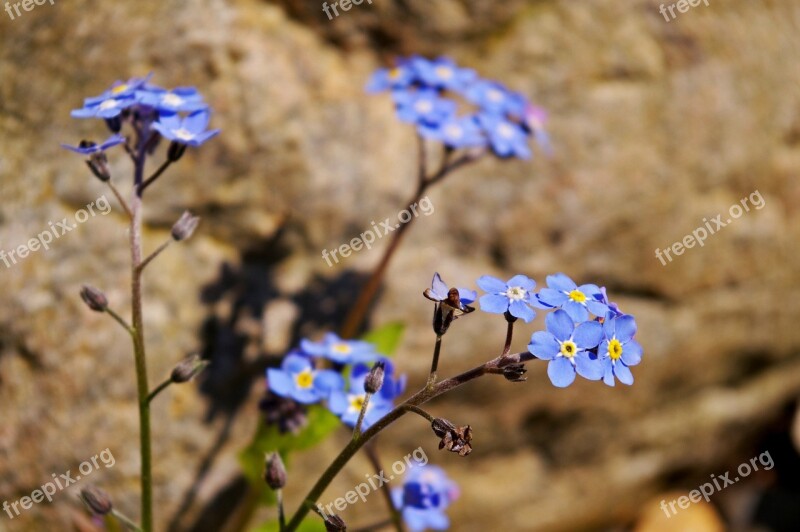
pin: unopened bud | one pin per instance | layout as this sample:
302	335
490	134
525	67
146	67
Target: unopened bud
374	380
188	369
94	298
97	163
175	151
334	523
185	226
274	471
515	372
96	500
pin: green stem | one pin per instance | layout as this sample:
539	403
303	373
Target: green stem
119	319
154	254
364	405
158	389
125	520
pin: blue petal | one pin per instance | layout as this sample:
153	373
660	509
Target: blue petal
494	303
306	396
523	281
295	363
520	310
625	328
438	287
588	334
327	381
467	296
561	372
544	345
560	324
631	353
623	373
588	368
608	372
196	122
552	297
561	282
609	327
591	290
338	403
492	285
596	307
576	311
280	382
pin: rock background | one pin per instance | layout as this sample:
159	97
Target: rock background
655	126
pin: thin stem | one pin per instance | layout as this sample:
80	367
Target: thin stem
422	171
119	319
364	406
125	520
419	411
281	514
121	200
423	396
509	334
435	362
143	389
158	389
140	188
154	254
396	516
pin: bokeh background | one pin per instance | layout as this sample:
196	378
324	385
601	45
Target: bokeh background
654	124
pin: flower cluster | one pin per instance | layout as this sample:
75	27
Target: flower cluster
425	495
428	94
304	378
179	115
585	334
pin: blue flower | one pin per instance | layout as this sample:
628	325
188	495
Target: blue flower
613	308
399	77
439	292
494	98
566	347
122	89
507	138
618	351
103	108
578	301
88	148
442	73
516	296
424	497
423	106
298	380
456	132
190	130
347	404
183	99
340	351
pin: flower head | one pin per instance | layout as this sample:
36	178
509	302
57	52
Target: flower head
340	351
455	132
190	130
507	138
618	350
425	495
577	301
493	97
423	107
347	404
104	108
398	77
87	147
515	296
442	73
181	99
450	303
299	380
567	348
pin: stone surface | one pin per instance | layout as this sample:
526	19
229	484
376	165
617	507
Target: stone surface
656	125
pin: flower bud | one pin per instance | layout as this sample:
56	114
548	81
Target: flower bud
188	369
175	151
274	471
185	226
96	500
374	380
114	124
454	439
515	372
94	298
97	163
334	523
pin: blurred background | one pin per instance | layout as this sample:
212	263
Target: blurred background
655	125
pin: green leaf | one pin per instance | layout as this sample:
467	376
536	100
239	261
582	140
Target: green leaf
386	338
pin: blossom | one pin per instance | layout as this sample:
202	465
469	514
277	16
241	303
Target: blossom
442	73
348	404
515	296
103	108
340	351
89	148
425	495
184	99
619	350
577	301
507	138
455	132
493	97
450	303
299	380
566	347
423	106
190	130
439	292
398	77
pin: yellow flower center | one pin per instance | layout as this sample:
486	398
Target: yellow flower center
568	348
444	72
614	349
119	88
356	402
394	73
516	293
495	95
304	379
342	349
577	296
